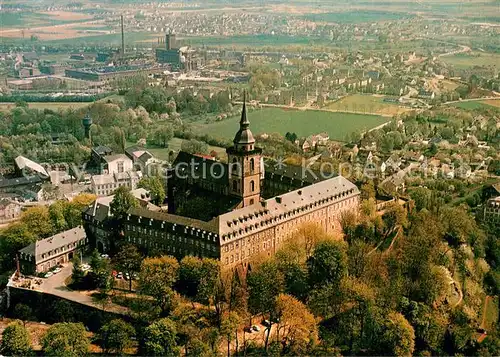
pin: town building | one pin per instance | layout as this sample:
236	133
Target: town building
45	254
491	212
9	210
106	184
219	210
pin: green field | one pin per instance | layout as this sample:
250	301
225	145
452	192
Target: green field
254	40
47	105
472	105
175	145
303	123
464	61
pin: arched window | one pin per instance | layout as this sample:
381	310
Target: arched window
252	164
251	201
252	186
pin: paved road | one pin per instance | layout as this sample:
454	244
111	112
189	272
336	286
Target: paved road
56	285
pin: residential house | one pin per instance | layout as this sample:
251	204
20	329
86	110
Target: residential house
9	210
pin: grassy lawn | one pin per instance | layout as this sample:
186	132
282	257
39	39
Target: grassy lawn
490	313
368	103
303	123
47	105
464	60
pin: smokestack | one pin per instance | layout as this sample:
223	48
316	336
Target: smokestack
123	37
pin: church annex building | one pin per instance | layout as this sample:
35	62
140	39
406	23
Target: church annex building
232	212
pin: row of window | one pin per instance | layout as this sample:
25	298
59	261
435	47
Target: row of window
172	248
63	249
158	233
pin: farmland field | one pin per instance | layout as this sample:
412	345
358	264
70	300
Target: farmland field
356	16
47	105
464	61
366	103
473	105
493	102
303	123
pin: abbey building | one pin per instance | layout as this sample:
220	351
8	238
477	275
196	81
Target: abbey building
234	211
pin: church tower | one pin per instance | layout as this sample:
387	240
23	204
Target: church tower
244	164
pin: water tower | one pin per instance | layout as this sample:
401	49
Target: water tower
87	123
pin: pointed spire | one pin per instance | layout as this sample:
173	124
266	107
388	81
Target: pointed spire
244	135
244	123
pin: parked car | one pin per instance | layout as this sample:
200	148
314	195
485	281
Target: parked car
56	270
119	275
127	276
85	267
105	256
48	274
256	328
266	323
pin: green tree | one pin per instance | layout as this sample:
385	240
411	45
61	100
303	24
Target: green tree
23	312
189	275
101	271
264	285
194	146
66	339
156	278
122	201
116	336
78	273
128	260
156	188
16	340
328	263
229	328
16	236
398	337
37	219
160	339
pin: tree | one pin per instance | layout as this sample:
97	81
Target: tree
56	213
194	147
101	271
264	285
156	279
328	263
296	328
16	340
116	336
398	337
128	260
23	312
162	135
66	339
122	201
78	272
160	339
156	188
229	328
189	275
37	219
16	236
